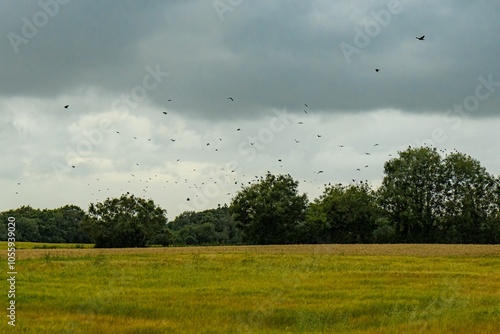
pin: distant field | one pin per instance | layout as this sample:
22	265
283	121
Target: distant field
43	245
260	289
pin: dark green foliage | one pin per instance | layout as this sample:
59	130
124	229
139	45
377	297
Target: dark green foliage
56	225
440	200
270	211
343	214
127	221
411	193
209	227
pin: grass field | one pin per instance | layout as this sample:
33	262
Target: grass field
259	289
44	245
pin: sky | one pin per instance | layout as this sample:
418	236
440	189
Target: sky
190	99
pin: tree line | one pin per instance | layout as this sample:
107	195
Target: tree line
424	198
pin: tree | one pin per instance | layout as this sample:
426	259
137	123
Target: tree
433	199
343	214
50	225
411	193
469	200
127	221
208	227
270	211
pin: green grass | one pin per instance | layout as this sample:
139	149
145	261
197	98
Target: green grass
254	290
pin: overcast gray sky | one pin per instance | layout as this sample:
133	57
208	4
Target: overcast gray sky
121	65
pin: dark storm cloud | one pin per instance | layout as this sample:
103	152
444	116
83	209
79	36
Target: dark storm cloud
265	54
83	43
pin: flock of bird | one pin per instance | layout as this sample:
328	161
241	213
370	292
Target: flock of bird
234	180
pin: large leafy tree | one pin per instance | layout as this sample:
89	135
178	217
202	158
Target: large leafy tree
469	201
270	211
127	221
343	214
411	192
434	199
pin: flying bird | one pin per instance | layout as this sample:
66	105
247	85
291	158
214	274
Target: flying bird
66	106
319	136
319	172
305	111
367	153
420	38
164	112
306	105
172	139
377	70
238	129
230	98
375	145
300	123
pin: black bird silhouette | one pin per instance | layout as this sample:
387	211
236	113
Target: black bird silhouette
188	199
169	100
297	141
73	166
375	145
420	38
172	139
66	106
164	112
377	70
238	129
306	105
300	123
305	111
230	98
319	136
367	153
319	172
358	169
